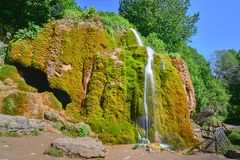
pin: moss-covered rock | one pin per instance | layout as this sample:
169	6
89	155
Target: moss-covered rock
104	77
18	98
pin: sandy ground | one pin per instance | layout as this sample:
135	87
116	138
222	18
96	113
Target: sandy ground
33	147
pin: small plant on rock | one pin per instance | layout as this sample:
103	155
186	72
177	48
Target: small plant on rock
51	151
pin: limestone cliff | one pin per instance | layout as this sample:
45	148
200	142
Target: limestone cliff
101	80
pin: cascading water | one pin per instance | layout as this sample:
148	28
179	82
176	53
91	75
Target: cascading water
148	86
148	83
137	37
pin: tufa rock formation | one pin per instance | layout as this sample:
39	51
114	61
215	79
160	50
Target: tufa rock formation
101	79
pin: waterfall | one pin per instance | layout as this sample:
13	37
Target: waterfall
137	37
148	83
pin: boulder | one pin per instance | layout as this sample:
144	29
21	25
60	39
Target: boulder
20	124
53	116
85	147
233	154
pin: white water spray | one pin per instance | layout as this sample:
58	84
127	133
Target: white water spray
149	80
137	37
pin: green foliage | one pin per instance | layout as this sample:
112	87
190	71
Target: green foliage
209	91
234	137
78	14
51	151
73	130
114	23
17	14
167	18
10	134
83	129
9	106
226	68
153	41
28	33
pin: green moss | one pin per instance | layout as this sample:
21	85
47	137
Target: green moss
106	83
171	114
54	102
15	104
8	71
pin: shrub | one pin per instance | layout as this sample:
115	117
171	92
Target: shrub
28	33
54	152
234	137
83	129
114	23
153	41
77	14
9	106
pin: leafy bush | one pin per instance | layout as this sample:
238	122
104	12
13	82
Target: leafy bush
74	130
83	129
28	33
77	14
153	41
234	137
114	23
9	106
17	14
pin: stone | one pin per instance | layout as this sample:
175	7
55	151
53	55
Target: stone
20	124
85	147
53	116
153	147
233	154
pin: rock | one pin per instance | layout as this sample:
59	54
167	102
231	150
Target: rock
20	124
234	154
53	116
153	147
86	147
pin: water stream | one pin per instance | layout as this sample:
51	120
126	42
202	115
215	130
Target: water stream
148	84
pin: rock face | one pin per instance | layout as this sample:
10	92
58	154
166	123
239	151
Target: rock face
85	147
20	124
104	77
188	86
18	98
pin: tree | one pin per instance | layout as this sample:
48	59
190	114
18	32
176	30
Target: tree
209	91
167	18
226	67
18	14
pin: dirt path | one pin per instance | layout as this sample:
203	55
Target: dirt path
33	147
125	152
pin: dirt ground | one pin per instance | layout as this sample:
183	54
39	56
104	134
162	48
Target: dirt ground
33	147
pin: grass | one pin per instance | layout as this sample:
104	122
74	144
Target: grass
10	134
51	151
234	137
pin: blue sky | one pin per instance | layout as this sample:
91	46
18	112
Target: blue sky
218	27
